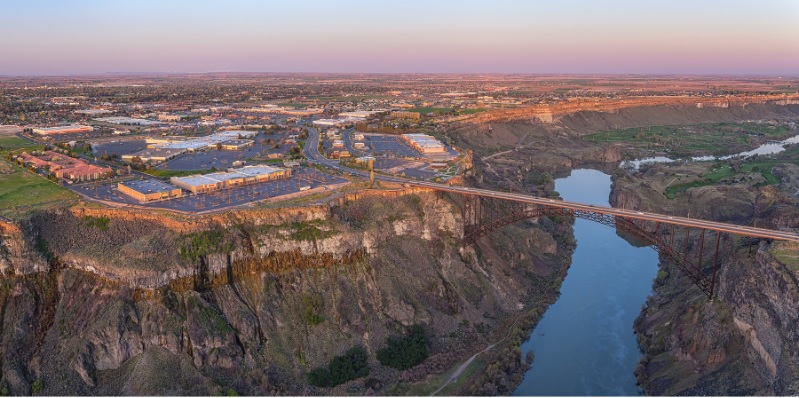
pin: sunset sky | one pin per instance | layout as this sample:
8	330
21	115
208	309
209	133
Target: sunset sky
655	37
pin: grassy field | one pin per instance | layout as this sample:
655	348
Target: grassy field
293	105
710	179
430	110
22	191
16	145
719	172
470	111
14	142
787	254
713	139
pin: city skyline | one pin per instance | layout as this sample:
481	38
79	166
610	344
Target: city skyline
570	37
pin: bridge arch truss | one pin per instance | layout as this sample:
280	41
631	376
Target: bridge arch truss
483	215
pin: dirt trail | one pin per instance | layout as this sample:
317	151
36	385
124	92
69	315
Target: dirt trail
468	362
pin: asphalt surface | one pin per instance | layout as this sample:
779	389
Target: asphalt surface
313	155
217	200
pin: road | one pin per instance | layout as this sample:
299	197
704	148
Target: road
312	152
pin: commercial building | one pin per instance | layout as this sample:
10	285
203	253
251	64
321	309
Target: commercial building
406	115
168	117
234	137
236	145
360	114
154	154
93	112
330	122
84	172
72	128
126	121
65	167
230	179
425	143
147	190
302	112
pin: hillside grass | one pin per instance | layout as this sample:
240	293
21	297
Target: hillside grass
22	191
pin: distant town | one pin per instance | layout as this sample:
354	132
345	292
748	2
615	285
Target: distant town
130	144
203	145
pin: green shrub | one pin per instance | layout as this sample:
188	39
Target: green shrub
204	243
405	352
100	223
312	308
341	369
36	387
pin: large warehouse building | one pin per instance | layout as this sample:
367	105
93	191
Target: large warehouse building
425	143
230	179
72	128
147	190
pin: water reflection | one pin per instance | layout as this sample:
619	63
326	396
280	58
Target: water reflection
584	344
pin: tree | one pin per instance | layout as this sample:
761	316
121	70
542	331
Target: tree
350	366
405	352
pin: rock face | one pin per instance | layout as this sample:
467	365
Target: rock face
744	341
549	113
18	255
140	305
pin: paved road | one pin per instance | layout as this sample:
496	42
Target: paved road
313	155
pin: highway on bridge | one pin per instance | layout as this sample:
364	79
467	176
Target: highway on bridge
312	152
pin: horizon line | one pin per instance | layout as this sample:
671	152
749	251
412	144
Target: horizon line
154	73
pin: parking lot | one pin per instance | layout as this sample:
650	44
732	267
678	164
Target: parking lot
120	147
391	146
302	177
265	143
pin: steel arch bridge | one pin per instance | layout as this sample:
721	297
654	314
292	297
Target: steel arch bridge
483	215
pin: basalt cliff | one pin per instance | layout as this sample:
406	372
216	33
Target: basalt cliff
103	301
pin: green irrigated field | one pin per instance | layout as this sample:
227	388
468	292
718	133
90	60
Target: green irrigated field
22	191
710	179
430	110
14	142
718	172
15	145
704	139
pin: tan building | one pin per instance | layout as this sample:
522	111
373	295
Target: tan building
66	167
230	179
425	143
72	128
406	115
148	190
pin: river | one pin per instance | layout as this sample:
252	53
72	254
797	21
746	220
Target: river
584	343
765	149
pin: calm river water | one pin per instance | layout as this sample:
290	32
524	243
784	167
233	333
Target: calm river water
584	344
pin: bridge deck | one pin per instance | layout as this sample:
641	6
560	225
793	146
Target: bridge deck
630	214
312	151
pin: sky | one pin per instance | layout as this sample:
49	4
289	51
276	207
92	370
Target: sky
757	37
